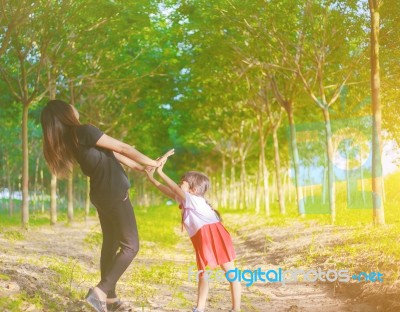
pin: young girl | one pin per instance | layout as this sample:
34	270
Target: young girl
66	141
211	241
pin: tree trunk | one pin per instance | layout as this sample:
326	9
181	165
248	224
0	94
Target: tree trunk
293	145
266	188
310	184
11	199
331	174
378	208
281	198
264	168
25	168
53	186
233	184
70	197
289	185
348	182
285	184
35	196
223	182
218	192
9	186
257	187
243	178
53	200
362	180
42	189
71	175
325	181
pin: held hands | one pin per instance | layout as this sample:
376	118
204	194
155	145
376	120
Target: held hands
161	160
160	164
150	172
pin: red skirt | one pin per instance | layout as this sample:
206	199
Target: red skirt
213	246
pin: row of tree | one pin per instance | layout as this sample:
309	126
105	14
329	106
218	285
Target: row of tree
220	82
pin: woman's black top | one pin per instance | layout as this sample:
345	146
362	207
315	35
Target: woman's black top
107	177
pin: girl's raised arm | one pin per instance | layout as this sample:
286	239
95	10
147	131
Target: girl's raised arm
170	183
164	189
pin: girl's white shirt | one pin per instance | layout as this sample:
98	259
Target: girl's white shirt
196	213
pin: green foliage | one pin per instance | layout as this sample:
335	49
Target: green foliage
194	75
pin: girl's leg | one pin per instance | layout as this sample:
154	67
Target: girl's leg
202	292
235	286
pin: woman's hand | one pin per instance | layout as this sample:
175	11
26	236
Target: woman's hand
140	168
161	166
164	157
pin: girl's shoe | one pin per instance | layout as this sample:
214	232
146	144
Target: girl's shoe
195	310
95	302
119	306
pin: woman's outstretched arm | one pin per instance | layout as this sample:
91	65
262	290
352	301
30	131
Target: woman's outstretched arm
124	149
128	162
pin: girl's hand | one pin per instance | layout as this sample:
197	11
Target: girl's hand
150	171
161	166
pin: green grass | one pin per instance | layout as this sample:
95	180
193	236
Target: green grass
38	218
361	247
4	277
179	300
156	225
145	280
69	274
21	302
13	235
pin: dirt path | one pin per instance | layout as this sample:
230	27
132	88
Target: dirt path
34	264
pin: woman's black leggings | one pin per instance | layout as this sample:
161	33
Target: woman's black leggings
118	225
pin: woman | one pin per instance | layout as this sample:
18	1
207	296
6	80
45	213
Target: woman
66	141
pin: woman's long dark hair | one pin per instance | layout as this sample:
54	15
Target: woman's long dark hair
60	143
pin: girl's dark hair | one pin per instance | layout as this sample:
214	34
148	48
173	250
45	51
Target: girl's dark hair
60	143
199	183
